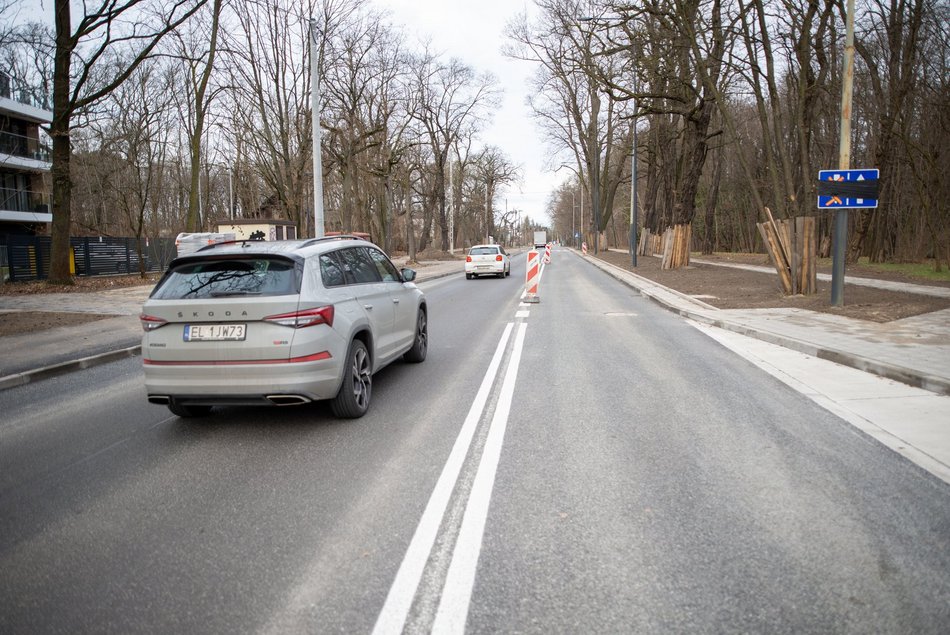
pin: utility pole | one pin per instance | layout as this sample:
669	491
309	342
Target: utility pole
318	220
633	193
573	226
487	214
451	206
840	240
595	199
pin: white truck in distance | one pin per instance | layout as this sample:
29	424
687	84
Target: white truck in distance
540	239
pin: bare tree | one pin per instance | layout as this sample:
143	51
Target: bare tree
271	101
387	115
581	117
358	111
136	138
107	45
892	53
929	134
449	100
196	47
494	171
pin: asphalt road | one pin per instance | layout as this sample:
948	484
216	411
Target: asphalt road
591	463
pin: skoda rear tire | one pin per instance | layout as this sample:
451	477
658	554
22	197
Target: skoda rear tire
420	345
352	401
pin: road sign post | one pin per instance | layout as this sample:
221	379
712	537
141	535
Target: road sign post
840	190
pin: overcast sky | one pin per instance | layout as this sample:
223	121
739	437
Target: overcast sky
472	31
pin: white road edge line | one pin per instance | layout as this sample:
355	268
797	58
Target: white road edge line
460	580
395	611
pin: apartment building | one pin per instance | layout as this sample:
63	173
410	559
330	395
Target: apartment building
25	198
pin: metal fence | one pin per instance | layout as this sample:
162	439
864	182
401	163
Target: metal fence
28	257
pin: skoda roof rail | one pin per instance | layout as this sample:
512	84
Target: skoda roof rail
239	241
335	236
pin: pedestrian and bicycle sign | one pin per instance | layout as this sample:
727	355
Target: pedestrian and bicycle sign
847	189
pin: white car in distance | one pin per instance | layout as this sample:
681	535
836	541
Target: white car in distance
487	260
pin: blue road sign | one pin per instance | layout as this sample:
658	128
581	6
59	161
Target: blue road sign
850	195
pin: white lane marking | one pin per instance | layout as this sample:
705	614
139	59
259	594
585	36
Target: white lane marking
392	618
522	314
460	580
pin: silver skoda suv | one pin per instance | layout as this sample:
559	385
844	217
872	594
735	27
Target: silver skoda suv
281	323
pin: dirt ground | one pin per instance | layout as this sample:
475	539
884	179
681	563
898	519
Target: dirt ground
13	323
31	321
731	288
723	287
81	284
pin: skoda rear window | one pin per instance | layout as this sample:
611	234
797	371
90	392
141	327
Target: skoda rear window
229	278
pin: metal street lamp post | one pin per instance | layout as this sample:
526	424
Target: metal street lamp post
595	200
318	220
573	227
633	194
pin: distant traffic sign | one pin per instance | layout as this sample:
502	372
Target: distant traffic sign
844	189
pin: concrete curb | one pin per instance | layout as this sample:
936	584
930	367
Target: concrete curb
26	377
435	276
693	309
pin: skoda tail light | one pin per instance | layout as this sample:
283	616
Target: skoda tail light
303	319
150	322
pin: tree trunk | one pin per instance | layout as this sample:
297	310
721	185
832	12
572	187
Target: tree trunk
712	199
440	197
193	220
676	246
62	150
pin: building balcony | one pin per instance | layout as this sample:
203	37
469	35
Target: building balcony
23	103
24	153
25	206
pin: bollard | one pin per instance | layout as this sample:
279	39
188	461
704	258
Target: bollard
531	277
